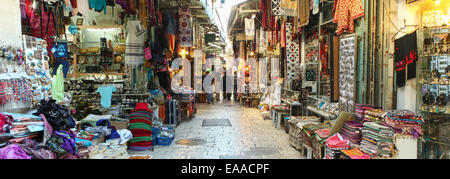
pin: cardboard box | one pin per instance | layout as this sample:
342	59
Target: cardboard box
119	124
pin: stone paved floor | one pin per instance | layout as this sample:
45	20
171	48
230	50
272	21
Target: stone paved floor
249	137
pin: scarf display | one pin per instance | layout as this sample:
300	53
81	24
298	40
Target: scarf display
352	131
303	12
249	28
289	7
345	12
134	53
292	54
405	122
377	139
185	30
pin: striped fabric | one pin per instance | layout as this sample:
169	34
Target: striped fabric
141	128
134	53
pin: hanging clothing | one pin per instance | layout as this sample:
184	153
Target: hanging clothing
345	12
106	95
83	6
303	12
249	27
315	7
58	85
98	5
283	35
134	53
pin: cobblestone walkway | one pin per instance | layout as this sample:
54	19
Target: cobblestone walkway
248	137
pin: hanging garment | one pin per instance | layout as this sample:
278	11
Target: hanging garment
345	12
185	29
134	53
276	8
106	95
58	85
98	5
315	7
303	12
152	17
292	54
66	67
83	6
283	35
289	7
249	27
42	22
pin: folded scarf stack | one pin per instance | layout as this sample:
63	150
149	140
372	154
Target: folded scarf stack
352	131
354	153
334	145
374	115
377	139
24	126
141	128
360	110
405	122
322	134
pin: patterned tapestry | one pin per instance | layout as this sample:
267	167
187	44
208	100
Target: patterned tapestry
292	54
185	34
276	8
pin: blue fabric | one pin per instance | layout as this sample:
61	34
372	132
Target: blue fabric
65	64
87	143
60	50
98	5
170	24
106	94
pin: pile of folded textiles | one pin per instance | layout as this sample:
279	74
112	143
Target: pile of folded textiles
377	139
354	153
352	131
141	128
322	134
374	115
23	126
304	138
360	110
334	145
311	128
405	122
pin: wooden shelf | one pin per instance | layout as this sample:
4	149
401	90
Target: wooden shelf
98	27
98	74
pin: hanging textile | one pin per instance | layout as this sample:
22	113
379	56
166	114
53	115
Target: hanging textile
289	7
152	17
283	34
316	7
292	54
185	30
262	40
345	12
276	8
134	53
249	27
303	12
405	55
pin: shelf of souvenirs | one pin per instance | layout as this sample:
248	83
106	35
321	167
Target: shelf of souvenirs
97	27
321	113
435	82
435	109
97	74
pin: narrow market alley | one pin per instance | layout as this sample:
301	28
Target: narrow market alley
249	136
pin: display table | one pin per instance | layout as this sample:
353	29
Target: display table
277	115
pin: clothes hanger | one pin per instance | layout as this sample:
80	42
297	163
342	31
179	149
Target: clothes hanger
404	27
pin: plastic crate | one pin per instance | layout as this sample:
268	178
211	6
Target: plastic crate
165	140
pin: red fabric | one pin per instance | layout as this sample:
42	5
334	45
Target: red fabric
141	144
47	21
148	134
140	131
143	106
74	3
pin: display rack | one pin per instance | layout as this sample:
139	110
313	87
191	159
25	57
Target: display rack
432	81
